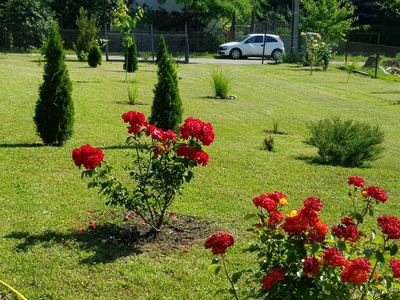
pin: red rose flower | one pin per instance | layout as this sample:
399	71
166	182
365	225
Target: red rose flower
349	233
88	156
135	119
271	278
348	221
313	204
318	232
334	257
295	224
395	266
200	157
356	271
310	265
376	193
275	217
269	205
219	242
357	181
197	129
390	226
155	132
92	224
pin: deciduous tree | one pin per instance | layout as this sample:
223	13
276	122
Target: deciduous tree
332	18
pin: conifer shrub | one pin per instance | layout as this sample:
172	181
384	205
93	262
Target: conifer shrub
345	142
88	31
162	49
54	113
131	57
166	110
94	57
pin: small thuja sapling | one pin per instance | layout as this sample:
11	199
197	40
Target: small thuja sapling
269	143
351	68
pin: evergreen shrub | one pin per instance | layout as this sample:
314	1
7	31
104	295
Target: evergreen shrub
54	113
131	57
166	110
94	57
345	142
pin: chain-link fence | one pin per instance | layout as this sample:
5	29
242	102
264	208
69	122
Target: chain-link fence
147	45
364	49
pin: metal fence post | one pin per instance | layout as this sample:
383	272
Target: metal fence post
106	37
152	41
377	57
187	45
5	40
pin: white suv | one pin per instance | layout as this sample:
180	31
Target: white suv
252	45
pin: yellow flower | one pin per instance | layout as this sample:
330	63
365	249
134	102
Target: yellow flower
321	261
292	214
318	36
364	194
303	34
283	202
323	44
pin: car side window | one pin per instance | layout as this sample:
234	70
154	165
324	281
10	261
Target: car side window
250	40
259	39
270	39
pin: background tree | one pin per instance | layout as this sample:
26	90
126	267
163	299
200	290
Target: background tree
67	11
32	18
200	13
88	31
131	59
332	17
125	23
54	114
279	10
166	110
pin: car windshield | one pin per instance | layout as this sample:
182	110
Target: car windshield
243	38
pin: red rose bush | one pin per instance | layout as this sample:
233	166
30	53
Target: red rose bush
160	168
301	257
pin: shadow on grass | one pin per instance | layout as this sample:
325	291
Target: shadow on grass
110	242
316	160
21	145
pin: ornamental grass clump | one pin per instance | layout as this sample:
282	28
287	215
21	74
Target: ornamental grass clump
159	167
221	84
297	258
345	142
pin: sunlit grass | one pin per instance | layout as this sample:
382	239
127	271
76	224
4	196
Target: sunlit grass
44	201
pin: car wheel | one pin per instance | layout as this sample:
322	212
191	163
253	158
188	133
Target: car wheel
276	54
235	53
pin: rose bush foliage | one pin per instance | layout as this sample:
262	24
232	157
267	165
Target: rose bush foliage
299	259
160	167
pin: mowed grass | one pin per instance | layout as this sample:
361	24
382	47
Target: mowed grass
44	201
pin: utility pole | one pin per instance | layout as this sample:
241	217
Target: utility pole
295	26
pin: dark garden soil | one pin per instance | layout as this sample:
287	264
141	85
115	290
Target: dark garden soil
177	233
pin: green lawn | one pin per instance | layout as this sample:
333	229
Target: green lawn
44	201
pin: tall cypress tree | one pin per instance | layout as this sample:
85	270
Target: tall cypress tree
166	111
54	114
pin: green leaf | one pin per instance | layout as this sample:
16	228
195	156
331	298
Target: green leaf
368	252
314	248
379	256
378	239
217	269
210	267
249	216
192	144
215	261
381	287
359	218
371	212
394	250
236	276
341	245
